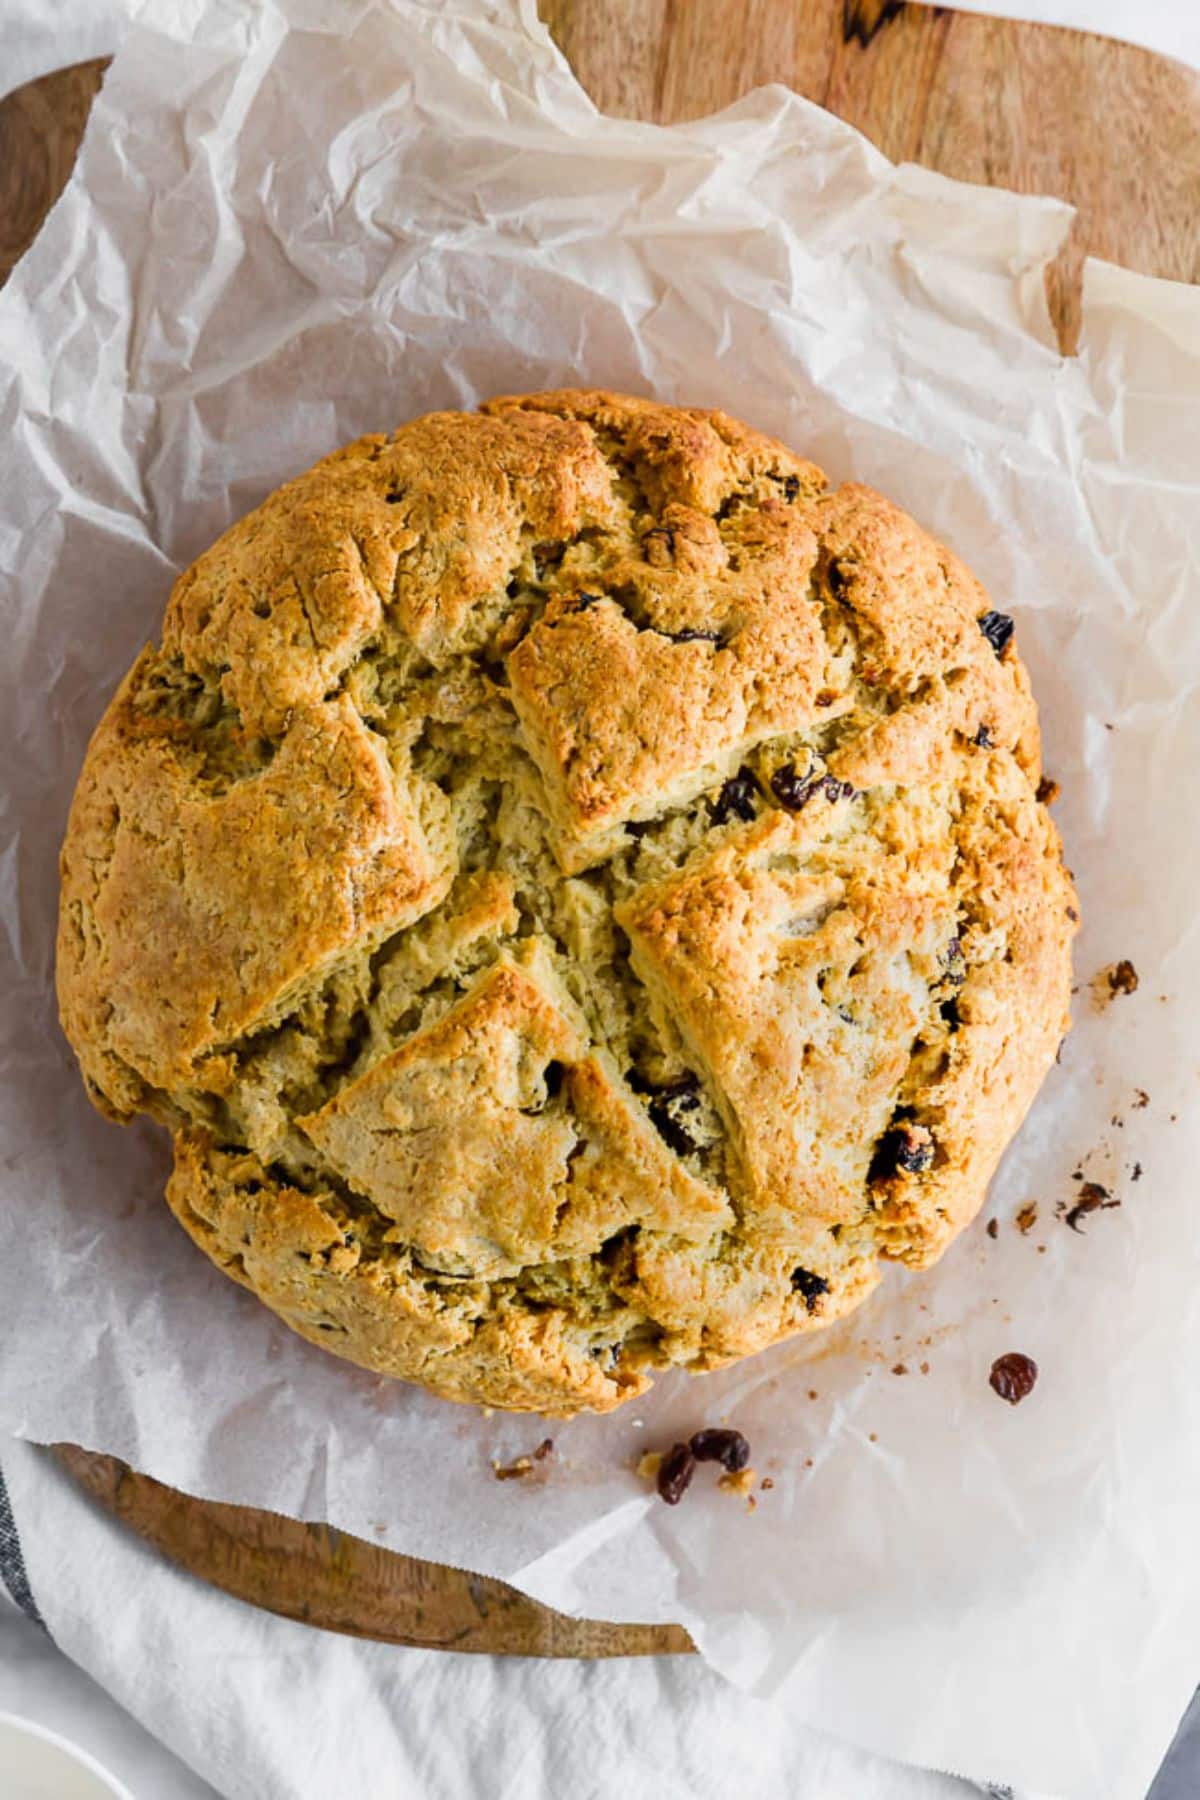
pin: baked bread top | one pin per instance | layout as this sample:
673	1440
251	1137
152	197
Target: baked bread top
576	889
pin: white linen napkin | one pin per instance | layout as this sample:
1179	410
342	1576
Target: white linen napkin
265	1709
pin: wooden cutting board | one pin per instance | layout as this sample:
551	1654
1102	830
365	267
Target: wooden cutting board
1113	129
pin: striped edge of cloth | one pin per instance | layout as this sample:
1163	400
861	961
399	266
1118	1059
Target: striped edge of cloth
12	1562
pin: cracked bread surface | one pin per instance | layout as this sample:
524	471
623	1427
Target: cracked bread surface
575	889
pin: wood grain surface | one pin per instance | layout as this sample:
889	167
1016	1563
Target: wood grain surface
1113	129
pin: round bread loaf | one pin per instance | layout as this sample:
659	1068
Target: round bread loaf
577	891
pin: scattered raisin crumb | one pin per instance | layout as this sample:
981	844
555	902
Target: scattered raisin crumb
1141	1099
899	1368
1123	977
808	1462
1026	1219
675	1473
719	1443
1137	1172
1092	1198
512	1471
813	1394
997	628
766	1482
872	1437
1013	1376
1041	1249
1048	790
524	1464
993	1228
983	739
1072	915
924	1368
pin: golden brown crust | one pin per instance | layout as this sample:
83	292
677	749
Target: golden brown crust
575	888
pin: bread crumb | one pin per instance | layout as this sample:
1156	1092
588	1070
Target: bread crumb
741	1483
512	1471
1118	978
649	1463
1026	1219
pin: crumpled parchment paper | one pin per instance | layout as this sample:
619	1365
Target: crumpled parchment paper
292	223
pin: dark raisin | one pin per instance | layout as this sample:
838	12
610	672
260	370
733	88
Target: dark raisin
791	487
669	1129
903	1149
1136	1174
838	582
997	628
1092	1198
720	1444
950	1013
552	1075
1013	1376
983	738
993	1228
1048	790
736	799
810	1287
637	828
790	789
394	496
544	1449
675	1474
691	636
795	791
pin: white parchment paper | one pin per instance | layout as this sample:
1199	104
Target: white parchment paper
294	223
